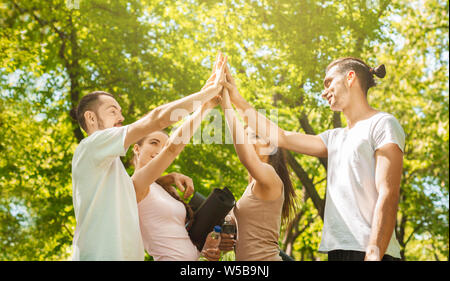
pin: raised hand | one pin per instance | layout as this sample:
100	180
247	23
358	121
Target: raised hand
218	73
226	102
210	81
230	85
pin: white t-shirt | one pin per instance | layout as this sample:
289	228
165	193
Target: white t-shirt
104	200
351	192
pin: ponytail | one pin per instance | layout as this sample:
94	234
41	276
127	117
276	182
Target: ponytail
278	162
379	71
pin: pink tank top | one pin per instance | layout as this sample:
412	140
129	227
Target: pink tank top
162	222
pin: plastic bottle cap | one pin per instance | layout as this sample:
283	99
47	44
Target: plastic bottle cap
217	228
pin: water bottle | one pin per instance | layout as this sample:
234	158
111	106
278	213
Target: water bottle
215	237
212	240
228	226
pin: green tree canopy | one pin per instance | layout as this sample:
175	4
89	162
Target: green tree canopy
147	53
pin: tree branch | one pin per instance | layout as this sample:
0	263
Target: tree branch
68	230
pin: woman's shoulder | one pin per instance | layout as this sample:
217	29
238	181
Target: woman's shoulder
151	193
268	192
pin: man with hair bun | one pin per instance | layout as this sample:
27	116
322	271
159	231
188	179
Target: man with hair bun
365	161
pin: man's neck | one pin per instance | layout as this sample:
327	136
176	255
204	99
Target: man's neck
92	130
358	110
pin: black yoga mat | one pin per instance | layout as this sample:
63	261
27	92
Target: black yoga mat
208	213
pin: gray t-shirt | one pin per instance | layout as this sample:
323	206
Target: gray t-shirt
351	192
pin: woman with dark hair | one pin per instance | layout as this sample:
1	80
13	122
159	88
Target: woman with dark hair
268	198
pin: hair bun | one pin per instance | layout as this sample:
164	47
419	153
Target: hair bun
379	71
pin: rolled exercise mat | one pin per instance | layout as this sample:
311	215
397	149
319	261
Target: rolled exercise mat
285	257
211	212
196	201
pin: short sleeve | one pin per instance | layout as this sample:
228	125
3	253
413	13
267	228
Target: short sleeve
325	136
388	130
108	143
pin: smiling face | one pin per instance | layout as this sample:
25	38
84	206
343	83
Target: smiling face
104	113
336	88
147	149
109	113
261	147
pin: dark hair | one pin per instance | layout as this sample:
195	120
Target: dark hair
362	70
189	211
278	162
87	103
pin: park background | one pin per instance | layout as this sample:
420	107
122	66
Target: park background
147	53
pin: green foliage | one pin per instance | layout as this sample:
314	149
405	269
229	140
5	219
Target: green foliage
148	53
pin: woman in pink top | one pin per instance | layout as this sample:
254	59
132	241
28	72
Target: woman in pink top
162	214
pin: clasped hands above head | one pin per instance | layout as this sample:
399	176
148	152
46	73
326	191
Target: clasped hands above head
222	82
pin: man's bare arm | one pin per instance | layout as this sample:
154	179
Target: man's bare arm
388	171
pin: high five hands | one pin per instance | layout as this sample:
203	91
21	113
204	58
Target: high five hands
221	77
222	80
218	73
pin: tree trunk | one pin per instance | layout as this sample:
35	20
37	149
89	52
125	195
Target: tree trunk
74	71
318	202
292	233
